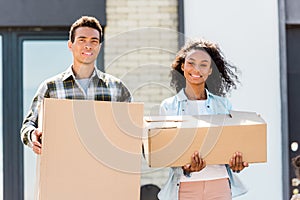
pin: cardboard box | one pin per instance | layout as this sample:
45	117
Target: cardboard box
90	150
171	140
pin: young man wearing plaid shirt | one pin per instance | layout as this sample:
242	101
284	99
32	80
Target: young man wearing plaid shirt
82	80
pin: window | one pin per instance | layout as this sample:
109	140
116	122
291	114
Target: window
41	60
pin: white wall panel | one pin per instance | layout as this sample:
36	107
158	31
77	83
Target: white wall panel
247	31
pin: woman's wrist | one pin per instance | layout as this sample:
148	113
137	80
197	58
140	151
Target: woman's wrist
186	173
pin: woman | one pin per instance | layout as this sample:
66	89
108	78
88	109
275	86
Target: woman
201	76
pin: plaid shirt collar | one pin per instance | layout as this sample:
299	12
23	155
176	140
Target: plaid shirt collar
69	73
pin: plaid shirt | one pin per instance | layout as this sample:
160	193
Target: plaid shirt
102	87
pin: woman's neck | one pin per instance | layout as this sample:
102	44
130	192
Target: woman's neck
195	93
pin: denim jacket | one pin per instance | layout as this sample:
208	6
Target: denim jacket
176	106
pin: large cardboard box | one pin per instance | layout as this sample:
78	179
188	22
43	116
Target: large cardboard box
90	150
171	140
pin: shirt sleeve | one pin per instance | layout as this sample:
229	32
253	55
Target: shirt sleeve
162	109
125	94
228	105
30	122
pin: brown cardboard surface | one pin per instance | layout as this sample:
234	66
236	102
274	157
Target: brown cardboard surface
91	150
172	140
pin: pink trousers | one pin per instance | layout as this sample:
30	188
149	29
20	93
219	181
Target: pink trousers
205	190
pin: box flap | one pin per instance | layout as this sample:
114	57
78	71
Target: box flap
188	121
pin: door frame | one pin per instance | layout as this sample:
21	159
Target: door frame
12	49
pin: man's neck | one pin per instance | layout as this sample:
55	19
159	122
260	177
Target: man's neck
83	71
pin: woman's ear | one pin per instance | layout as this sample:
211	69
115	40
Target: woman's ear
182	66
210	71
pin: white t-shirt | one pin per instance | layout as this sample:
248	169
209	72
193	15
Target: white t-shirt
84	83
210	172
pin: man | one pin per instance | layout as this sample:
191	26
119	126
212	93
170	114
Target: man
82	80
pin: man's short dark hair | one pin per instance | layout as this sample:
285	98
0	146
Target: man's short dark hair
85	21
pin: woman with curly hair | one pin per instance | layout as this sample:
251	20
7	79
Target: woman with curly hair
202	77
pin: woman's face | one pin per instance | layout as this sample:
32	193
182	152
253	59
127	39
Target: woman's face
197	67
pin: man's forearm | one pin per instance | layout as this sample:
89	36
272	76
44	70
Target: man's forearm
26	131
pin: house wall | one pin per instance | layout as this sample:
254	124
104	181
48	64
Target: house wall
140	43
247	32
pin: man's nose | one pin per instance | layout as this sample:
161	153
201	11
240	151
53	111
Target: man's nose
87	46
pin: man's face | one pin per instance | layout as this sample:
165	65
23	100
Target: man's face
86	45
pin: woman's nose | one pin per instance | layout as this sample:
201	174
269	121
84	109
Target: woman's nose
197	67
